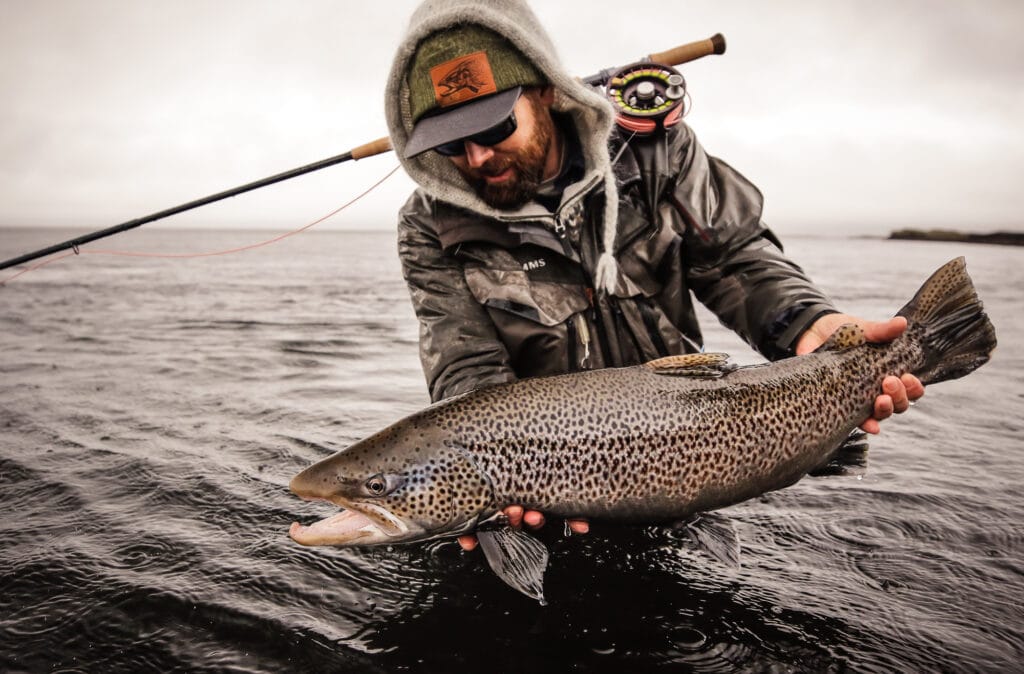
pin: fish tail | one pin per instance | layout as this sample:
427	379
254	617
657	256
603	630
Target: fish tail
949	322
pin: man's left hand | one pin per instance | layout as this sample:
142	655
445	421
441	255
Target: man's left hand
897	392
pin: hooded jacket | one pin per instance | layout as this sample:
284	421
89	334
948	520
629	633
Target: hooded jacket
604	280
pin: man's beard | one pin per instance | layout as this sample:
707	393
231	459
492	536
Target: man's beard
528	167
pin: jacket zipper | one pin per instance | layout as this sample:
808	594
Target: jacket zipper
602	338
651	323
623	325
570	333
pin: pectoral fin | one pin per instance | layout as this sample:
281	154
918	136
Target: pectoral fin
517	558
715	535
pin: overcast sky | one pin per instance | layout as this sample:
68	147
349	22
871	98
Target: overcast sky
851	116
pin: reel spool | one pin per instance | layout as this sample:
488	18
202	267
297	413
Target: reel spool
647	96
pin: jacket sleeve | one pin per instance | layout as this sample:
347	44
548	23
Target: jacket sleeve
735	264
459	348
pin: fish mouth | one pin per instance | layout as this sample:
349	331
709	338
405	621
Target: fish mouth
347	527
353	527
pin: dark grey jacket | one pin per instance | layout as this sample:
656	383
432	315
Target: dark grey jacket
505	298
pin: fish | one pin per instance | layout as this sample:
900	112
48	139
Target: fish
668	441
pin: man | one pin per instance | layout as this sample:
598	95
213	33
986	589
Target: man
544	239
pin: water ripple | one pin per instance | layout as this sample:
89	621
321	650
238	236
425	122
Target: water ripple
151	427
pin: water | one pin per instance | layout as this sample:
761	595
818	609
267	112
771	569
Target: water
153	411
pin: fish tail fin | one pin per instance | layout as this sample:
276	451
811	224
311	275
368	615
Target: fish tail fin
950	323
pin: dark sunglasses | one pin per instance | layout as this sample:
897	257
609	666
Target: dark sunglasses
487	137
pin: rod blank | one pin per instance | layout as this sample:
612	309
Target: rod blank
159	215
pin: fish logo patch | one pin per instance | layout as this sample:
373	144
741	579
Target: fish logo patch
462	79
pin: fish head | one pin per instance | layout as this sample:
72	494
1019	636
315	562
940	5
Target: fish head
403	484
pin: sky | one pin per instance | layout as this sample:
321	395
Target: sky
851	116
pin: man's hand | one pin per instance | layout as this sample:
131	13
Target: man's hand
897	392
532	518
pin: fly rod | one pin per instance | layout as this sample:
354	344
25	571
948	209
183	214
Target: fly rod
368	150
675	56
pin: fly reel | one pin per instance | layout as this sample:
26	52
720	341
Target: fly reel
647	97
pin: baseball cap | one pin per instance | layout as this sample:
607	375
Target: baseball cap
463	80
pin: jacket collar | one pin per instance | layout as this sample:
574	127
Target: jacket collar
532	224
456	226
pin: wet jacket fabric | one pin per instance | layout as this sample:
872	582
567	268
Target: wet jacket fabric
501	300
502	295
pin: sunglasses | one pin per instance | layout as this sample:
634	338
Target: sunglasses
486	138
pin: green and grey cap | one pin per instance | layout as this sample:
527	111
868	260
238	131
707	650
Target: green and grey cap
462	81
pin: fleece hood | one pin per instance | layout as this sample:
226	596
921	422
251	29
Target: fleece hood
591	113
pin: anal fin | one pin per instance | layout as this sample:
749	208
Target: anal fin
517	558
849	459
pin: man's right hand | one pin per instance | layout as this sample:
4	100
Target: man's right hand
898	393
533	519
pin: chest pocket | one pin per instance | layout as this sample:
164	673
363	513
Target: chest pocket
536	313
539	295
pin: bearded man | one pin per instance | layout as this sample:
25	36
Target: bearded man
545	239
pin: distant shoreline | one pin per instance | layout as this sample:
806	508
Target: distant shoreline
997	238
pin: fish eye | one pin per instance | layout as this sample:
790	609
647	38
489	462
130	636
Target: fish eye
376	485
382	484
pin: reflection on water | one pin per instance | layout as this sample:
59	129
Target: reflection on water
153	413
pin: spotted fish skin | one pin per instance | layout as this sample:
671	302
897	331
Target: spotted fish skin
634	445
655	442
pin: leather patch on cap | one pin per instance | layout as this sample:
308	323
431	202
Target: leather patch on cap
462	79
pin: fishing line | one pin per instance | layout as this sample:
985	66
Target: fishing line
650	96
230	251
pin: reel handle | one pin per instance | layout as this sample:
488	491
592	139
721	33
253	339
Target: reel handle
684	53
691	51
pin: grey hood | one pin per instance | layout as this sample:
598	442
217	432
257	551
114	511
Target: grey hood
592	114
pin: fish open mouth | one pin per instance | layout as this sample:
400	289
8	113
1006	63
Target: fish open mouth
347	527
354	527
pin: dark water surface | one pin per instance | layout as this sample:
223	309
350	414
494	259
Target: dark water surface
152	413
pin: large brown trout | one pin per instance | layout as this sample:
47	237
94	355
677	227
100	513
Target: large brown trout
658	442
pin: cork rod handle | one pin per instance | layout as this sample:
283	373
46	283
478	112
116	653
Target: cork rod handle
689	52
379	146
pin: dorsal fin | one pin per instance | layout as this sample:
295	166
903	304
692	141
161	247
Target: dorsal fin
845	337
705	365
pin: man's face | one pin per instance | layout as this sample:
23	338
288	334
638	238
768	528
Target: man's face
508	174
